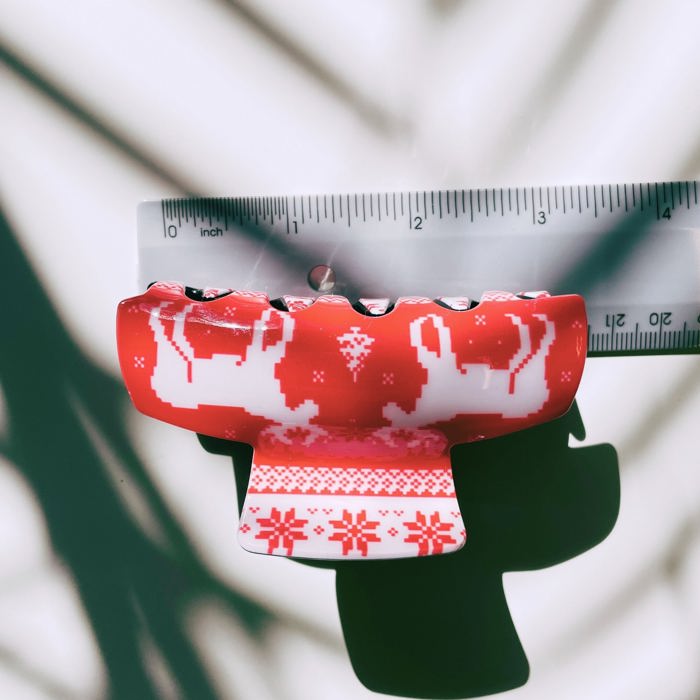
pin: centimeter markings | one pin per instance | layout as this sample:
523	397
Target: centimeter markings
533	203
657	340
614	329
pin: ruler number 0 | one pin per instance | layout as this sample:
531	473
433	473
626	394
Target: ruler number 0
170	232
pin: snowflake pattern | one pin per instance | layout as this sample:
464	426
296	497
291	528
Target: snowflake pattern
355	348
399	508
355	533
281	531
429	536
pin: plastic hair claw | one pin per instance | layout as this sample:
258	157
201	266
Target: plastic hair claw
351	411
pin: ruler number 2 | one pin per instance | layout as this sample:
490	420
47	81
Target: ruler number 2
417	223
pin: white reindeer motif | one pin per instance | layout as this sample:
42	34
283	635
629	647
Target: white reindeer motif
515	392
185	381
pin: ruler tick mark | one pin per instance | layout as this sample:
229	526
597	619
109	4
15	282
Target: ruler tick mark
656	192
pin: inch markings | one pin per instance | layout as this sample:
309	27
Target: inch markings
485	237
542	204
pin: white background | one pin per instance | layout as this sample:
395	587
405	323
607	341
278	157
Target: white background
247	98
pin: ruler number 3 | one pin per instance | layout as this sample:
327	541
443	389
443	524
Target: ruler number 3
541	217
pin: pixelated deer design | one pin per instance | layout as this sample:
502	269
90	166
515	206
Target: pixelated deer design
185	381
476	388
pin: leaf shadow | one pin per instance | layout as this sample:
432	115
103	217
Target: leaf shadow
128	585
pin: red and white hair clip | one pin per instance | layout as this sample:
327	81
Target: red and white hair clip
351	411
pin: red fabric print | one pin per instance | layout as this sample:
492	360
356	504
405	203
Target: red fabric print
355	534
429	536
281	532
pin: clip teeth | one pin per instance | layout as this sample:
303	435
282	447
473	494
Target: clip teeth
209	293
294	303
455	303
497	295
373	307
534	295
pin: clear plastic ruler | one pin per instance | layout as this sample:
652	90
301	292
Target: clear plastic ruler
632	250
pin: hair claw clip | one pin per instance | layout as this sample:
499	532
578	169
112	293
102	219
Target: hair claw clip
351	412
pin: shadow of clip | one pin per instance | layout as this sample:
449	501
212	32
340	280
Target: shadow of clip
440	626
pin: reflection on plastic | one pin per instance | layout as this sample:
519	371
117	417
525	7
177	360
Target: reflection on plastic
351	416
